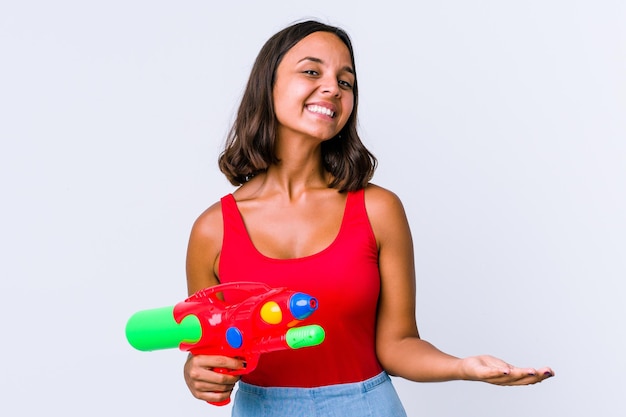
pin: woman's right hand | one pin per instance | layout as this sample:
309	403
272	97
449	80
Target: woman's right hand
207	384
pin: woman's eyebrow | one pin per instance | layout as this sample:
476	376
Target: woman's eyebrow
347	68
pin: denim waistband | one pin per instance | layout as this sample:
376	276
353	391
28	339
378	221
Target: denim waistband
330	390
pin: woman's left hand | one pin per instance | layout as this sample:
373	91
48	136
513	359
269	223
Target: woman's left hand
495	371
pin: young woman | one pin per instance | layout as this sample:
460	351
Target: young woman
306	217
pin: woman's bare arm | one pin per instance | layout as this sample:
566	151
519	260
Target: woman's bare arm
202	260
399	347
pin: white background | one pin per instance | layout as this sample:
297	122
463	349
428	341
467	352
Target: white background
500	124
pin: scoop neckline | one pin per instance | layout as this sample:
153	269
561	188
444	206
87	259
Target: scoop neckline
301	258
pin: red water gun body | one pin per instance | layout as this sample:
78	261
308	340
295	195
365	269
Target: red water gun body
266	319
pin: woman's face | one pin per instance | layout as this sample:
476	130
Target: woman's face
312	93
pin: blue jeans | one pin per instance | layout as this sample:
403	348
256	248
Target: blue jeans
375	397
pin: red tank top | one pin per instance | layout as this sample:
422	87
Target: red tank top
344	278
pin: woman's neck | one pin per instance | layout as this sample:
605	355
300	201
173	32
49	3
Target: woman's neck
299	169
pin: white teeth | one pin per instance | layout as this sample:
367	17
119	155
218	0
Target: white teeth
321	110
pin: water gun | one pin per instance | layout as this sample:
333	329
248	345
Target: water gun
265	320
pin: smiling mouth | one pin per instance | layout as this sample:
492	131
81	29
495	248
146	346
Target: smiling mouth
321	110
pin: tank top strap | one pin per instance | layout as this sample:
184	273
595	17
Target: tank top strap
356	221
230	213
355	204
235	232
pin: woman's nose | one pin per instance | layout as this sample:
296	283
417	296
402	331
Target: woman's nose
330	86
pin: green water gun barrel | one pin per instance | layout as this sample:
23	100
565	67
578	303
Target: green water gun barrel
305	336
156	329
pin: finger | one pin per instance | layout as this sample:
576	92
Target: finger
221	378
214	383
518	376
496	372
546	371
212	386
212	393
202	376
213	361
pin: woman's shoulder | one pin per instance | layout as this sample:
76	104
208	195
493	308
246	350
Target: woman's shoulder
379	199
204	247
209	222
385	212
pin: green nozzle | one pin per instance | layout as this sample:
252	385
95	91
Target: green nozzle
156	329
299	337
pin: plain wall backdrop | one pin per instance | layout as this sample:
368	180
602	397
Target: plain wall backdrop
501	125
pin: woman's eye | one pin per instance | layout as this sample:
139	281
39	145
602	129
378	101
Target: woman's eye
311	72
345	84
